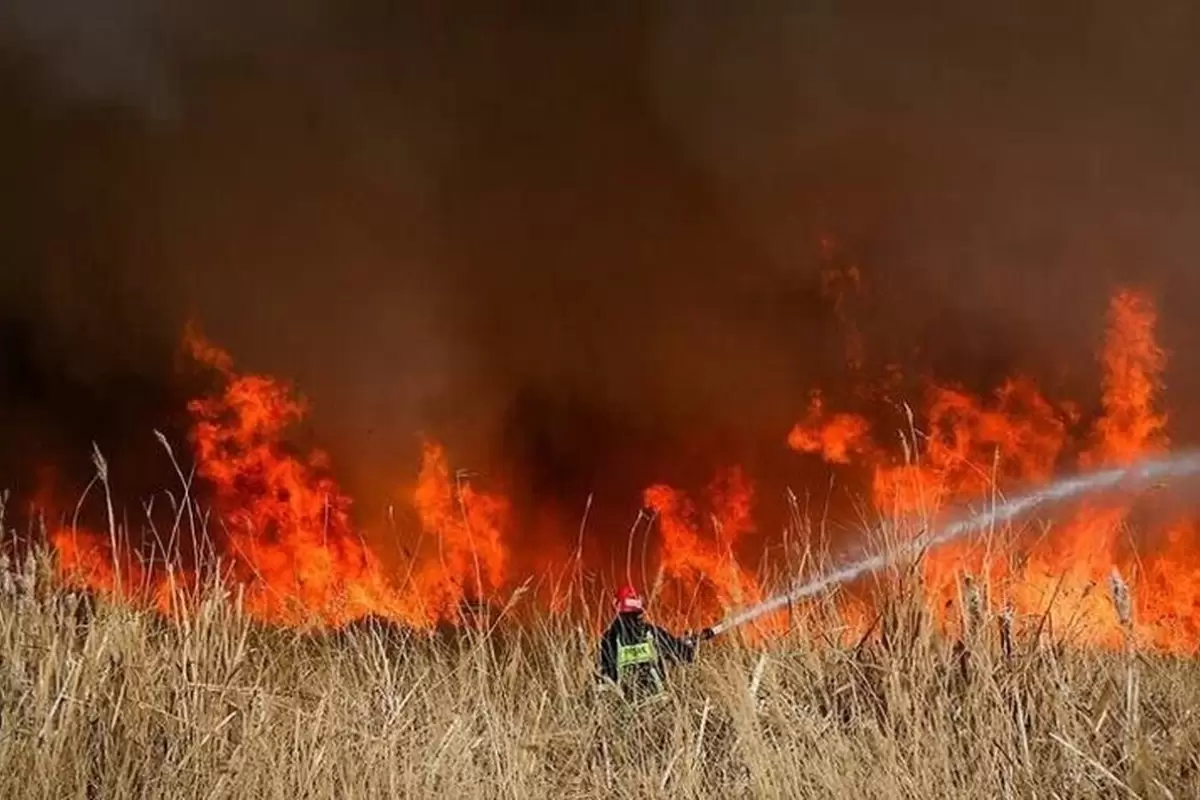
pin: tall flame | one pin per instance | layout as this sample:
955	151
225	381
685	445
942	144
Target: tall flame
285	531
699	573
973	445
1132	425
472	559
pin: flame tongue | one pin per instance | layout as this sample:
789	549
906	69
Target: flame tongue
473	560
286	523
1133	362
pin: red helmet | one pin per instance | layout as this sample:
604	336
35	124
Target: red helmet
628	600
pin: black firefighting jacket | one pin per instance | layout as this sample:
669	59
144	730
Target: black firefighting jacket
629	631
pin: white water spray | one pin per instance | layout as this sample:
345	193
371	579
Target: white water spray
1132	478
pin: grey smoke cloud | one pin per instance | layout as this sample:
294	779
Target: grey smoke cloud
585	239
107	51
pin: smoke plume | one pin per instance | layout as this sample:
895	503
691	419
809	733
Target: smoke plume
580	245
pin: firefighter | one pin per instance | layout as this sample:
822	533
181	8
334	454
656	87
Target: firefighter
633	652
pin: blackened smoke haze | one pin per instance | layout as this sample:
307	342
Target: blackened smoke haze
580	245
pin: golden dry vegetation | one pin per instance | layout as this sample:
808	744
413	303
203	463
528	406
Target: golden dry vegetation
104	700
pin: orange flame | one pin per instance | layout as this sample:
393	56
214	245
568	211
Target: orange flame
700	576
1133	363
286	522
284	532
836	438
472	559
1020	437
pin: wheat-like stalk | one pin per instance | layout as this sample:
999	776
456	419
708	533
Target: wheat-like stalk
1121	601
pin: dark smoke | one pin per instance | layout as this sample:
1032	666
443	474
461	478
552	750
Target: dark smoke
98	51
579	244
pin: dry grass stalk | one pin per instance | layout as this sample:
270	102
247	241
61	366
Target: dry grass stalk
1121	600
1005	621
973	600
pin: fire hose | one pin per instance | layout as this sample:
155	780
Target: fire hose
808	589
750	614
819	584
1152	474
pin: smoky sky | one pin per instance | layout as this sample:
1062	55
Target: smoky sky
579	242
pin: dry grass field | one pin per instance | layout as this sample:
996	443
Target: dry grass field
103	700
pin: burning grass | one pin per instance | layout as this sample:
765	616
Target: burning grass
103	700
261	647
285	536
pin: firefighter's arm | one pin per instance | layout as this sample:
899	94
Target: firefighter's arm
675	648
